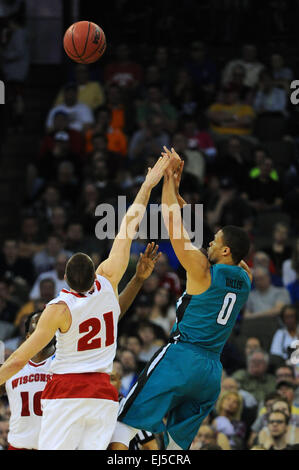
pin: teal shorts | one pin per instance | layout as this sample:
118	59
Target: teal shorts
174	393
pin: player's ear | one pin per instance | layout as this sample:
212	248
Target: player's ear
226	251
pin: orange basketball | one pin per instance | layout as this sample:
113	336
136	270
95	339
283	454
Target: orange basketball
84	42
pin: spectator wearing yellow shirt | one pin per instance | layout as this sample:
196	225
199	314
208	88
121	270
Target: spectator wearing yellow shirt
229	116
89	92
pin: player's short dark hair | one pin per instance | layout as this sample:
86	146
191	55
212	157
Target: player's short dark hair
80	272
237	240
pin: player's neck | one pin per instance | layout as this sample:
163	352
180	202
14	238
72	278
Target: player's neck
43	355
226	260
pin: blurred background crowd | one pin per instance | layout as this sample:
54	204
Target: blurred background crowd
213	80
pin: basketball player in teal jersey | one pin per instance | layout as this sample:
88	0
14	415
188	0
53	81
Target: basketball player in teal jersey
180	385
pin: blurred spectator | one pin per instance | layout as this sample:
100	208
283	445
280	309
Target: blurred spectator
228	420
286	389
293	289
290	267
8	311
194	158
47	201
233	162
146	331
58	222
129	364
260	154
184	93
156	104
252	344
15	64
67	183
265	299
80	115
122	111
76	241
61	151
250	63
280	250
44	260
116	138
260	258
47	292
281	75
198	138
57	274
228	116
168	278
12	266
289	332
262	417
134	343
4	428
277	429
238	78
149	140
163	310
229	208
123	71
207	435
61	122
203	70
255	378
292	437
269	98
31	239
263	192
90	92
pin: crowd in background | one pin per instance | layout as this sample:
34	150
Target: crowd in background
236	129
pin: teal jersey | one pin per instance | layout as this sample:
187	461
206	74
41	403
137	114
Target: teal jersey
207	319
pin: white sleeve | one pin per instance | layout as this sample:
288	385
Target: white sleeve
276	343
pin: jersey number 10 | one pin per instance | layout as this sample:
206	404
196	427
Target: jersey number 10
227	308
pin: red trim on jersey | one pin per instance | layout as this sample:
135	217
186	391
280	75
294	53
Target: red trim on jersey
10	447
98	284
37	365
85	385
74	293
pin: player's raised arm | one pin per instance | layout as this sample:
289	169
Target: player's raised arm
114	267
192	259
52	318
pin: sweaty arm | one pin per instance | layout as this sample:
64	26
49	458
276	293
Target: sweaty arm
53	317
114	267
193	260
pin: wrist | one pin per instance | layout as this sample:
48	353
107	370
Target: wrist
139	278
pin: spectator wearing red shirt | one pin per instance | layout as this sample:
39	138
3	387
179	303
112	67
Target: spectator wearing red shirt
123	72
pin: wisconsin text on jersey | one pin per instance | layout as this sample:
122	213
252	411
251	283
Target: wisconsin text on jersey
30	378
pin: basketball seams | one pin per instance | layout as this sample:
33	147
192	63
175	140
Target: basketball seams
70	44
86	40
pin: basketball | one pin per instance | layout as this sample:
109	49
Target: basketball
84	42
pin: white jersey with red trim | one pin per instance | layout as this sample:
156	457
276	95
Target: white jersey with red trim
90	343
24	391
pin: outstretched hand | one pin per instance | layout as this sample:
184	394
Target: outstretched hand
147	261
155	174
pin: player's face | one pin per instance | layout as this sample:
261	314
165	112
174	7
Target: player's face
215	247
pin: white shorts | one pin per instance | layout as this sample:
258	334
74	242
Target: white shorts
77	423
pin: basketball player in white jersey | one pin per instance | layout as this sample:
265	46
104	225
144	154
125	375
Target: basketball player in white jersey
24	394
79	404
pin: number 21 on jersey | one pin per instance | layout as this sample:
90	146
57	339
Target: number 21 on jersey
227	308
92	326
